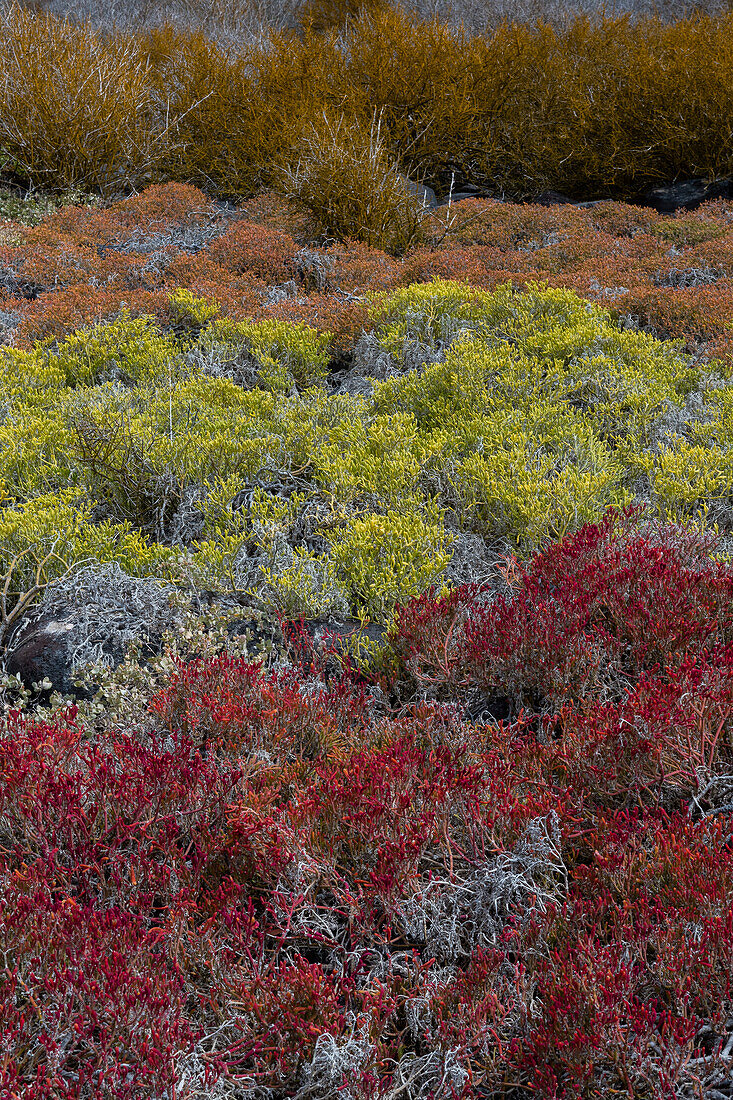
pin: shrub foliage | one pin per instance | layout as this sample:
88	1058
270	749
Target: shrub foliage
488	854
606	105
277	883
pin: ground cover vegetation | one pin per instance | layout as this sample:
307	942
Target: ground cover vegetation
398	759
384	552
268	882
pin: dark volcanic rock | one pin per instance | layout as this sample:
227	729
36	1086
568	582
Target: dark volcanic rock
551	198
90	616
41	652
687	194
466	191
425	194
342	636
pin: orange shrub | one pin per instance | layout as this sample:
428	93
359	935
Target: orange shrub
271	209
672	274
238	297
247	247
357	267
160	205
715	255
38	268
154	210
500	224
622	219
695	314
55	315
481	266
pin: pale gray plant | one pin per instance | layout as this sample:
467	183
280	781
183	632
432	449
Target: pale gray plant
183	238
255	572
282	292
236	22
335	1067
437	1075
193	1072
453	915
675	420
682	278
314	268
109	610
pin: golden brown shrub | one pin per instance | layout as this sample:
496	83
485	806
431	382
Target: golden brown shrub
320	16
593	108
345	183
76	109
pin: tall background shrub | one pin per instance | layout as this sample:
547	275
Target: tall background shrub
602	106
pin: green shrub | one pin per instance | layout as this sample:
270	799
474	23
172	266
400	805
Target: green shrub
36	453
190	312
44	538
507	348
539	474
142	451
28	379
532	413
127	349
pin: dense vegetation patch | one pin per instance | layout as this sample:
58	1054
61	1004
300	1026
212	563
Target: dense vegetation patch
267	884
605	107
400	764
223	453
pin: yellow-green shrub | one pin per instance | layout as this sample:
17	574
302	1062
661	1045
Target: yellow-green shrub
28	378
378	458
694	468
139	450
431	314
284	355
686	479
35	453
58	529
539	473
190	311
536	414
511	348
126	349
385	559
248	551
